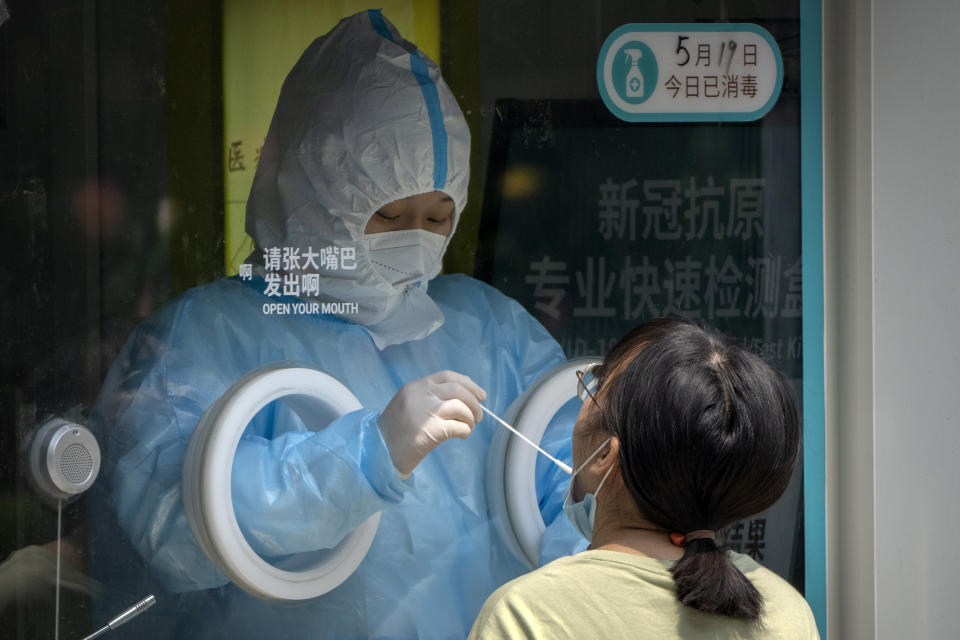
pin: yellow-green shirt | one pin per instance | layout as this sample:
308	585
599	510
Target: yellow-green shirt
608	594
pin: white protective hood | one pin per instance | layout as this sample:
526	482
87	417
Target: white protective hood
363	119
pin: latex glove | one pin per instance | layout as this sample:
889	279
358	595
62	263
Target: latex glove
426	412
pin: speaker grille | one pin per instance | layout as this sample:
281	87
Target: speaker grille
76	463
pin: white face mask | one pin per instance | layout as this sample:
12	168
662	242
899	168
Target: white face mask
411	256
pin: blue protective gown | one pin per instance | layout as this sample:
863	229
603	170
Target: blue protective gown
435	557
363	119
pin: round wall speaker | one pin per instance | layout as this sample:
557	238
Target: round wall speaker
64	460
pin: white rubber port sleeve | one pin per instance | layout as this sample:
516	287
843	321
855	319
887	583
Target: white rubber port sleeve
317	398
511	463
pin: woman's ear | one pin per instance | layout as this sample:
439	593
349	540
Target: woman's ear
606	458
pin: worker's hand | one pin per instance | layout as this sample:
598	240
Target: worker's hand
426	412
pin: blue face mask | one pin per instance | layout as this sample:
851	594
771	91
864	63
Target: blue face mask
581	513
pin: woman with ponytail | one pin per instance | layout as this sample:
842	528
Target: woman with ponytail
683	431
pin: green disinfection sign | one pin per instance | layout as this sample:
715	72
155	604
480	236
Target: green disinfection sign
689	72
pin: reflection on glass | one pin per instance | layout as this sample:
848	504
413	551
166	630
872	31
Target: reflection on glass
112	197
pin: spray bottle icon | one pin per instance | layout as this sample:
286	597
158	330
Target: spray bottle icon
634	80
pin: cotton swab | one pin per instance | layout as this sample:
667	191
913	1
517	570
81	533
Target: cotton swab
567	468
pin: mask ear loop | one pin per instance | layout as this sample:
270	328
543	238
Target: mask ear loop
592	456
587	461
602	480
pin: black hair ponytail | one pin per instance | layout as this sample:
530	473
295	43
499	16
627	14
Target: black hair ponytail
709	434
706	580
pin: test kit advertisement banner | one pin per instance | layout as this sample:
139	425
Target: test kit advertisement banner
595	225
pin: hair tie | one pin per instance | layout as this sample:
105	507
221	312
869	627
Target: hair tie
682	540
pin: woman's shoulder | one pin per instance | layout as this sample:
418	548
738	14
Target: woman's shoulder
577	594
512	609
572	572
761	576
785	609
557	574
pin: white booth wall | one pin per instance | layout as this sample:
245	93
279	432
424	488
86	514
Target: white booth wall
891	225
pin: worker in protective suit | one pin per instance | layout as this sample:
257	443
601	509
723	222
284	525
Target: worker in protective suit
367	152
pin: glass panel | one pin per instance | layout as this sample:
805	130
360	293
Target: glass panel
130	134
